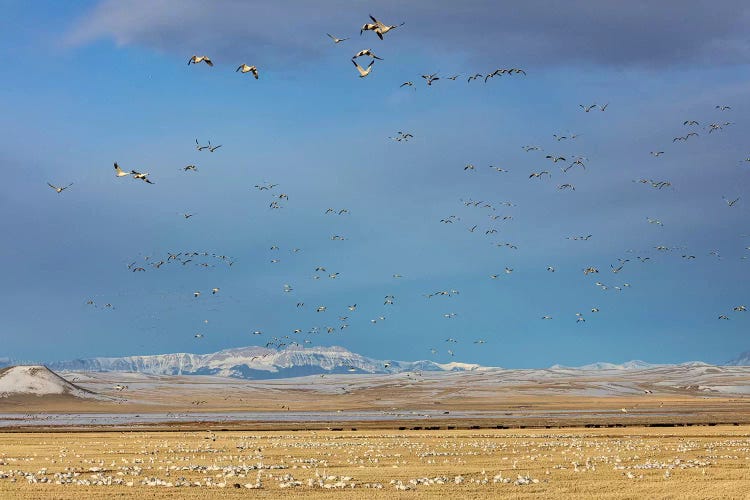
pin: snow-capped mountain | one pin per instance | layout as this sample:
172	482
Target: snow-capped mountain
256	363
628	365
36	380
742	360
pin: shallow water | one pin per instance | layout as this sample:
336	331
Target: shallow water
96	419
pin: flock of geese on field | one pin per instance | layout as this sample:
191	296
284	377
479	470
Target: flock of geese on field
494	213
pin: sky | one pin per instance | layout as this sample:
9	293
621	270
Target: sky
87	84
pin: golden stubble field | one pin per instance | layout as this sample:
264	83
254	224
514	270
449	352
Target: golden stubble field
634	462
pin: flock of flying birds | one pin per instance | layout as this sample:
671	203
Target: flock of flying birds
490	227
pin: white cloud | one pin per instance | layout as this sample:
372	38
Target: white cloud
669	32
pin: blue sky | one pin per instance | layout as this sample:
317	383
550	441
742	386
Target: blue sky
90	83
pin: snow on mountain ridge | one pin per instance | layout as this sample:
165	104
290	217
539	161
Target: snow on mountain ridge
36	380
634	364
255	362
742	360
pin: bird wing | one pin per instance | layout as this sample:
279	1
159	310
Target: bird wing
208	61
50	185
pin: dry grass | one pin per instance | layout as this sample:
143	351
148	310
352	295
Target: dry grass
682	462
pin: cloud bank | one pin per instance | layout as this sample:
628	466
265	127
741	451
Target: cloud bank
535	32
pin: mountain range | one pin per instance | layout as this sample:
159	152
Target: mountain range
257	363
261	363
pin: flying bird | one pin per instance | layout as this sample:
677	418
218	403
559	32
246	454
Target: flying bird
244	68
685	137
431	78
335	39
141	176
200	59
378	27
539	175
366	52
363	72
729	202
120	172
555	159
59	190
